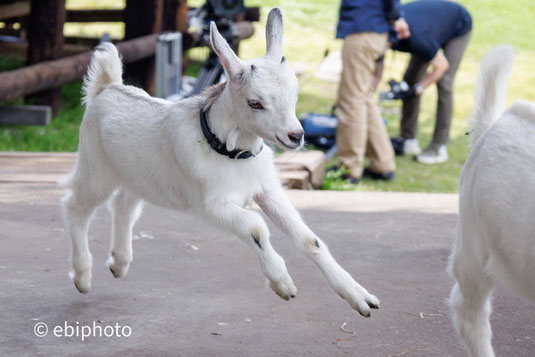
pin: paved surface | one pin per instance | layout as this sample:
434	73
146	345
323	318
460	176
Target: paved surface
192	291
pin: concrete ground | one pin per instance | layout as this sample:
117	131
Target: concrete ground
192	291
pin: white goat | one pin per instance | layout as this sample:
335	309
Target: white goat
150	149
496	230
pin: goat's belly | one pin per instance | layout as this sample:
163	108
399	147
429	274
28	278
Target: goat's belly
516	272
156	178
164	188
173	195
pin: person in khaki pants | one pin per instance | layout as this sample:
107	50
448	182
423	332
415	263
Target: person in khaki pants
364	26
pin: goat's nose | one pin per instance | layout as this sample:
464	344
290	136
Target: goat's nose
296	136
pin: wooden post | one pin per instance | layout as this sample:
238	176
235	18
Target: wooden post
175	15
143	17
45	43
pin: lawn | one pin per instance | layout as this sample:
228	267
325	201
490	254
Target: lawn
309	33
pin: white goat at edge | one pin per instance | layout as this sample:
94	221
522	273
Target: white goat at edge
143	148
496	229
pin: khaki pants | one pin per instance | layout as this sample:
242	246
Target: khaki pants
360	127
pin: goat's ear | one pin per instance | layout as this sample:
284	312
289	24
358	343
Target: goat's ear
231	63
274	32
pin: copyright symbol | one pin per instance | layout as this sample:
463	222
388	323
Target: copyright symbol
40	329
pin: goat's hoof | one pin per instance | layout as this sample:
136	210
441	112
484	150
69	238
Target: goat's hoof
371	301
83	290
117	268
374	304
362	301
82	282
285	288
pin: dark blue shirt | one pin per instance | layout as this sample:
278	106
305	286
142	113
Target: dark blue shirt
366	16
432	23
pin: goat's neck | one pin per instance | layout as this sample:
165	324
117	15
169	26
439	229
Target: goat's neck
223	123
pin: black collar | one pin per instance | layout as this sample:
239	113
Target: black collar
221	147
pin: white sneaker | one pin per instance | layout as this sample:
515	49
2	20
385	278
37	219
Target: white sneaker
411	147
433	154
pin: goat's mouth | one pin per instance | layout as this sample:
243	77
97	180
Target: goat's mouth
286	146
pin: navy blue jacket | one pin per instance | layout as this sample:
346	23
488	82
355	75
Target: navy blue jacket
432	23
366	16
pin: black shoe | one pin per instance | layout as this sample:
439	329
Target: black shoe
398	143
336	168
333	168
385	176
353	180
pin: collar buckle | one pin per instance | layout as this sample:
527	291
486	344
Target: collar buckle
218	145
242	152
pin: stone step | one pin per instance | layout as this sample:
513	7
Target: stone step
301	169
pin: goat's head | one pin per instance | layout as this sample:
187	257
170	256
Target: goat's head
264	90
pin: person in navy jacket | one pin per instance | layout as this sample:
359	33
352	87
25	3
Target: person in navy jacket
364	25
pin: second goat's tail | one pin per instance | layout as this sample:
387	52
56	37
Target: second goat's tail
104	70
491	89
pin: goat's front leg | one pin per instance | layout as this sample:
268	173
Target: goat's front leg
252	229
279	209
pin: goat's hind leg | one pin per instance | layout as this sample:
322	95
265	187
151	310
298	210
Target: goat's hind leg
126	209
470	300
79	205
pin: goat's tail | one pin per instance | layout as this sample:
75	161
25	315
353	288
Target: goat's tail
491	89
104	70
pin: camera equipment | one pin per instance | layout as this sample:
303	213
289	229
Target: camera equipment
226	9
222	12
397	91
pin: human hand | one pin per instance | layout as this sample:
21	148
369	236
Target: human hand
402	29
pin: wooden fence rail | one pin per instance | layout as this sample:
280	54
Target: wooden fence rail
50	74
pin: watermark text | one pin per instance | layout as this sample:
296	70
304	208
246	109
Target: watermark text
82	331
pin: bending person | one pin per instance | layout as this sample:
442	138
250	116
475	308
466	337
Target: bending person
434	25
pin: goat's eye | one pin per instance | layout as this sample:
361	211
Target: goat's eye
255	104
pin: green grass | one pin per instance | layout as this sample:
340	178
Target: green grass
309	31
60	135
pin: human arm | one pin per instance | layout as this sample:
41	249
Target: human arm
402	29
440	65
394	15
